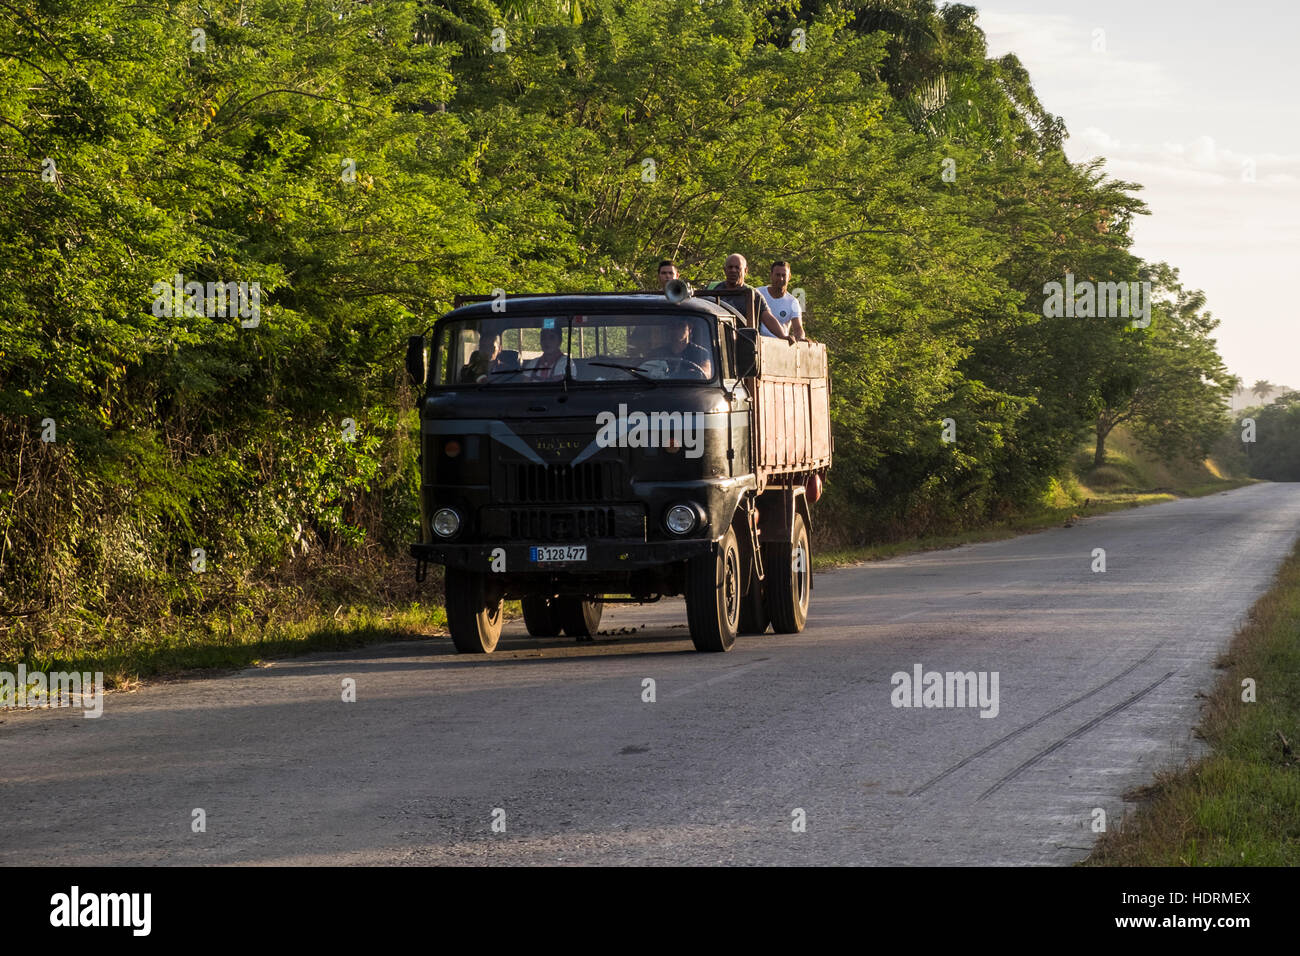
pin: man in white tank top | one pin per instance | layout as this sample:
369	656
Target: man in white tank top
783	305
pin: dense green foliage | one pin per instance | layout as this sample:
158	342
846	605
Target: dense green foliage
1274	454
363	162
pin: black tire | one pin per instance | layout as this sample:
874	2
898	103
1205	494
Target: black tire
540	617
579	618
475	611
788	580
753	612
713	590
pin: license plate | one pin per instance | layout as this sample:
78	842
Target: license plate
558	554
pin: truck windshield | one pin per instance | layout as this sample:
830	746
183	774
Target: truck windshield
537	349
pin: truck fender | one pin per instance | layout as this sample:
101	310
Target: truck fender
731	508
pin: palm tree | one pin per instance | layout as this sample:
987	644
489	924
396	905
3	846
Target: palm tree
529	10
1262	388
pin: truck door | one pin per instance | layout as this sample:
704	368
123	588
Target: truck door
738	430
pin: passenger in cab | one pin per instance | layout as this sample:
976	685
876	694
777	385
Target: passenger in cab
484	360
643	341
552	364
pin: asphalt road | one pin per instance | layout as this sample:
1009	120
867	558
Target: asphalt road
554	743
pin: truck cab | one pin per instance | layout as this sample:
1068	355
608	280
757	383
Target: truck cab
582	449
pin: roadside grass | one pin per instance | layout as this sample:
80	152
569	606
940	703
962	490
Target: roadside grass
196	646
329	602
236	639
1240	804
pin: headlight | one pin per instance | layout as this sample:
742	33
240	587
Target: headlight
445	522
680	519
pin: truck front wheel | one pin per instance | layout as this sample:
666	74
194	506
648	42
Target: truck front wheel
713	592
789	579
475	609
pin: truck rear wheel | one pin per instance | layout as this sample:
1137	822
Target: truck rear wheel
789	579
541	617
475	610
713	592
579	618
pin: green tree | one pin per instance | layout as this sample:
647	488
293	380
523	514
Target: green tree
1170	382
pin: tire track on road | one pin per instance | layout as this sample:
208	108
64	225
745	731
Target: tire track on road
1077	732
1034	723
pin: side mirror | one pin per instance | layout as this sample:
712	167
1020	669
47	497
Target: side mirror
747	353
415	360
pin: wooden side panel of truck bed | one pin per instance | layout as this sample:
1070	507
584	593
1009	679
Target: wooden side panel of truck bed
791	410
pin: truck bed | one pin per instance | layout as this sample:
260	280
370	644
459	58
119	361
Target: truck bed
791	411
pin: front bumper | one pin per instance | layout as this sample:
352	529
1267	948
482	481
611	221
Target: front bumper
611	556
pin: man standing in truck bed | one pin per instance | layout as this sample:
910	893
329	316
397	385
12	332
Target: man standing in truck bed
667	273
784	305
735	268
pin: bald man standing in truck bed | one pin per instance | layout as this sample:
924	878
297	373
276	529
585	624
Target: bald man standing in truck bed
735	268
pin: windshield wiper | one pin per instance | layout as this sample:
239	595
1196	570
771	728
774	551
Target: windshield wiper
634	369
544	381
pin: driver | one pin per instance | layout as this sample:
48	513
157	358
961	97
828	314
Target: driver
680	346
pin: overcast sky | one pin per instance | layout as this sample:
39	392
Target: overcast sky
1193	100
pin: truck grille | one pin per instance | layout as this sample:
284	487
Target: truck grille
564	524
542	484
578	525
